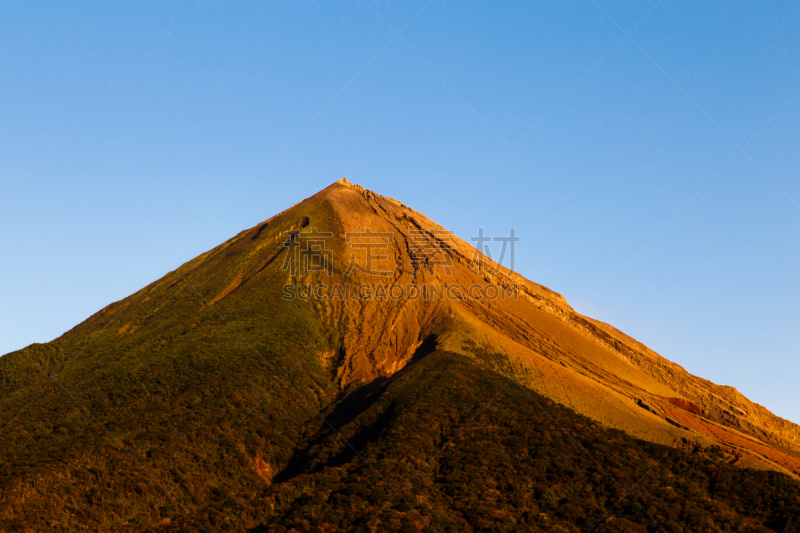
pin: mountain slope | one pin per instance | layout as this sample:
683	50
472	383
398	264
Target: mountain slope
195	403
544	343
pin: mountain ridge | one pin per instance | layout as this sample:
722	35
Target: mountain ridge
218	382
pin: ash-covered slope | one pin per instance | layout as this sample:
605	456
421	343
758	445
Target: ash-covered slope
204	390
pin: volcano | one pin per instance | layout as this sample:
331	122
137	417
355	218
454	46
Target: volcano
351	365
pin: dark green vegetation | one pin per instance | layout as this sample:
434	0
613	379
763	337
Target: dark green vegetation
475	453
160	401
470	451
166	413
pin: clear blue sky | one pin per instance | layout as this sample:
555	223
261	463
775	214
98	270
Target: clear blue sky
653	182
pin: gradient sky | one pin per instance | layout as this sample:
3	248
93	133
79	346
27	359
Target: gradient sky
653	179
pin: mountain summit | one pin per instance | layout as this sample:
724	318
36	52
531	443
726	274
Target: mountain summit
350	342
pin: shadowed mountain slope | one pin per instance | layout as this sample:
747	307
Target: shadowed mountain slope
299	374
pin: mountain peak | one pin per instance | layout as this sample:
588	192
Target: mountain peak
339	190
344	183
